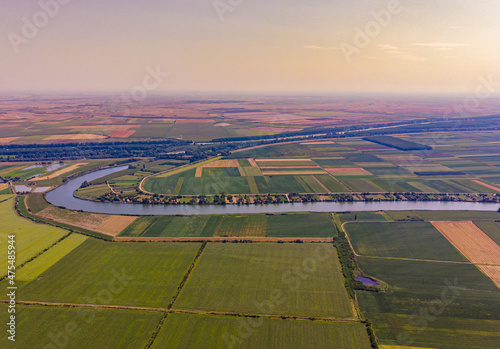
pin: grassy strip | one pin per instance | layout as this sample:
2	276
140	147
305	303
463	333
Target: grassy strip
349	270
176	295
22	210
349	265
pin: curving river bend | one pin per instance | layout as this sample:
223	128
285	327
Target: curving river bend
63	196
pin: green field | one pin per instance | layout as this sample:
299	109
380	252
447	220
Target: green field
198	331
36	203
278	225
31	238
261	278
76	328
432	304
139	274
419	240
33	269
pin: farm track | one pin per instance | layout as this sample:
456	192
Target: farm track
181	311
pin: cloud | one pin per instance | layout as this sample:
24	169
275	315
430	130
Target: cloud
440	45
388	47
314	47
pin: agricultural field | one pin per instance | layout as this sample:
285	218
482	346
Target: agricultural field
230	277
414	240
431	304
83	273
339	166
300	225
194	331
105	224
435	297
55	327
31	238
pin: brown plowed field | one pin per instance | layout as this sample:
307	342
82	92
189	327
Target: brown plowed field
115	224
471	241
491	271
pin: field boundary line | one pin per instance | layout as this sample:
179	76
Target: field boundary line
220	239
39	254
85	305
267	316
176	295
416	260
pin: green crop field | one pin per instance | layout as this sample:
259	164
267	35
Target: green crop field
199	331
432	304
285	279
36	203
300	225
31	238
458	215
33	269
278	225
139	274
361	216
418	240
73	328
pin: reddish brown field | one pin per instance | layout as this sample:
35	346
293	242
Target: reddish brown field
271	167
339	169
485	185
471	241
79	136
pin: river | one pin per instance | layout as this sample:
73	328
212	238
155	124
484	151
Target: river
63	196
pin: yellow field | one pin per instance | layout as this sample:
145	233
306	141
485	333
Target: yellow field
60	172
199	171
399	347
4	186
223	163
253	163
115	224
35	268
78	136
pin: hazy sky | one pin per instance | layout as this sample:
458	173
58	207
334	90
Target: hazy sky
254	45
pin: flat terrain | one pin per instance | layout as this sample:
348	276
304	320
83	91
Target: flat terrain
147	274
48	327
419	240
478	247
306	280
31	238
201	331
303	225
432	304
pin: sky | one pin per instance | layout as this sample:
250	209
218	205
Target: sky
387	46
